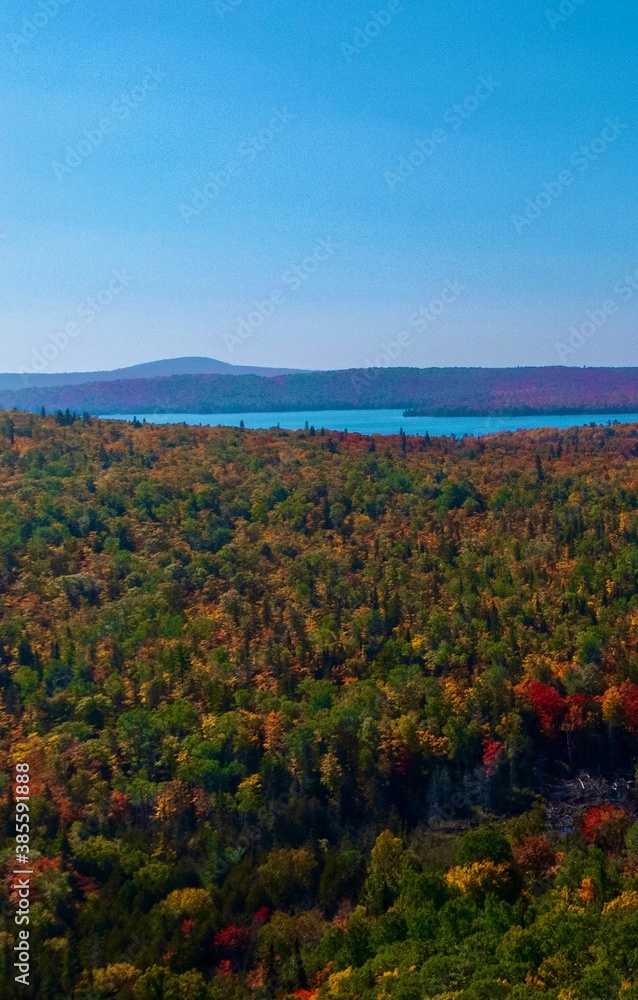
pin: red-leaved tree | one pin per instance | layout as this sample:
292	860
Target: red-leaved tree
549	705
605	826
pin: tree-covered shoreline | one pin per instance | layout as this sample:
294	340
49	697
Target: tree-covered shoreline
417	391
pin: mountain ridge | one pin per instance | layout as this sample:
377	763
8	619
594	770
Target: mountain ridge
15	381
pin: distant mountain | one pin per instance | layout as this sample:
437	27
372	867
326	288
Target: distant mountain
431	391
152	369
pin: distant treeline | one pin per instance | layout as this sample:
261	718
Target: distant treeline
431	391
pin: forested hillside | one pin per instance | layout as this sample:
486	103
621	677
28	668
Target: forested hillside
317	715
433	391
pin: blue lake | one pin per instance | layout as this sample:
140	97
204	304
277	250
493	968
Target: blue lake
380	421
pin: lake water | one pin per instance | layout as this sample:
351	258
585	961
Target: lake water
381	421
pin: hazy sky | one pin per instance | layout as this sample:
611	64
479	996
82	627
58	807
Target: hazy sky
318	184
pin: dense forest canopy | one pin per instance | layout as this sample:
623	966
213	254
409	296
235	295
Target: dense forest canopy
319	715
433	391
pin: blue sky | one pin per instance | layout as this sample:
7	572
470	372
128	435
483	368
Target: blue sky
172	176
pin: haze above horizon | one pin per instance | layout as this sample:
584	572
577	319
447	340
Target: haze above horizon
318	188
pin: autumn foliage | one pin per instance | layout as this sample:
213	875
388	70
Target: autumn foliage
549	705
605	826
307	713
